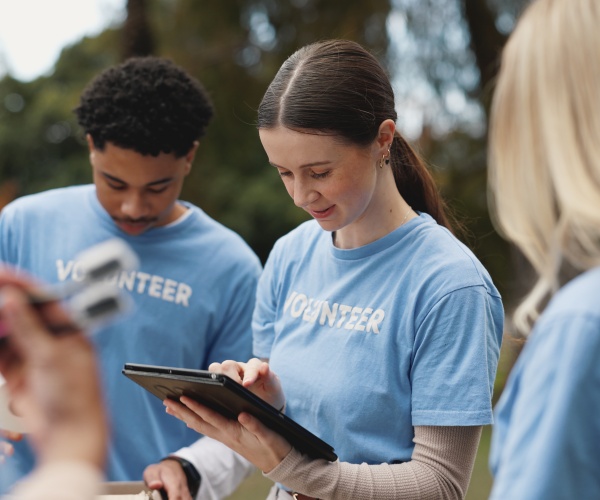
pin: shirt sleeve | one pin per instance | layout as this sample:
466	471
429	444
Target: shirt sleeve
263	320
440	468
455	357
234	333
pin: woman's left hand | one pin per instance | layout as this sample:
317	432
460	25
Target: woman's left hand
246	435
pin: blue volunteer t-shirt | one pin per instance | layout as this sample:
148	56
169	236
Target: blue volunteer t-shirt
547	432
193	297
372	341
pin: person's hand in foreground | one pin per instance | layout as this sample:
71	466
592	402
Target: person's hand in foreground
52	380
168	475
6	448
246	435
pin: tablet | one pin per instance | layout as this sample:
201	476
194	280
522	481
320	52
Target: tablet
223	394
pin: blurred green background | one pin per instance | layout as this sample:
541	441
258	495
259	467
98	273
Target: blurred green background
442	57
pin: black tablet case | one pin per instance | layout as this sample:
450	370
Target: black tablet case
229	398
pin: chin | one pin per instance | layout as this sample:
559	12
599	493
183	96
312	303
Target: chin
329	225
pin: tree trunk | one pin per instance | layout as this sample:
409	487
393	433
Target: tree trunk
486	43
137	38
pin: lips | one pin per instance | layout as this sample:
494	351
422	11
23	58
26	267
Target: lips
133	227
321	214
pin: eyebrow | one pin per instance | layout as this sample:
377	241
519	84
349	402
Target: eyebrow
153	183
306	165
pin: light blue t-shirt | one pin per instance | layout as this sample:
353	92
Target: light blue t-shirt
372	341
194	294
546	440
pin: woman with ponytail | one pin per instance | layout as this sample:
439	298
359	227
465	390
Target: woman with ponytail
383	329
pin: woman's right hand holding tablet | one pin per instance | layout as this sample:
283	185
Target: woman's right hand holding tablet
255	375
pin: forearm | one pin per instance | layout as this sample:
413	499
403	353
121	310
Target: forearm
440	468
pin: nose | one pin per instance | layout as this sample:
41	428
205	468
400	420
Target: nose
134	205
303	193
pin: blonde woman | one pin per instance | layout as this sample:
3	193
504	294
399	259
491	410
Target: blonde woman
545	178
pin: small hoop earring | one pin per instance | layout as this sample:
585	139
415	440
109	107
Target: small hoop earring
385	158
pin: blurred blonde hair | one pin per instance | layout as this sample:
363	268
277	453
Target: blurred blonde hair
544	151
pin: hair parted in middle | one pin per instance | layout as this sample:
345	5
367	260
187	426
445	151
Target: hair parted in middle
338	88
147	104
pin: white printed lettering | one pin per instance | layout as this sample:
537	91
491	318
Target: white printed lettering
374	321
142	280
299	300
62	270
127	280
363	318
343	309
155	286
184	292
328	313
169	290
78	273
353	317
289	301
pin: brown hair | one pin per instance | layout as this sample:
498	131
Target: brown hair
336	87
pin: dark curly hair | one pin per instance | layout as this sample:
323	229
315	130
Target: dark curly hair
148	104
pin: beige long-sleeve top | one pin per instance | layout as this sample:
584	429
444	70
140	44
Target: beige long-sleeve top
440	469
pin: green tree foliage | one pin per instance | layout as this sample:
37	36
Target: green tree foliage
40	144
234	48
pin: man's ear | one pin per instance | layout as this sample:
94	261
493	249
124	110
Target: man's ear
90	142
189	157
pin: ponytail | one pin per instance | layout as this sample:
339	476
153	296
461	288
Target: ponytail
415	183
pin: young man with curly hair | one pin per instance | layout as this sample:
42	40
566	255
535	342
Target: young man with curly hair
194	291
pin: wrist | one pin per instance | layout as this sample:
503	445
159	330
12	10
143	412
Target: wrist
193	477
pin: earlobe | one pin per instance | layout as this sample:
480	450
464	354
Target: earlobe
189	158
90	142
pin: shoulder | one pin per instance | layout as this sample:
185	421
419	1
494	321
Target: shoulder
442	260
219	238
578	297
300	240
572	318
45	201
568	330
